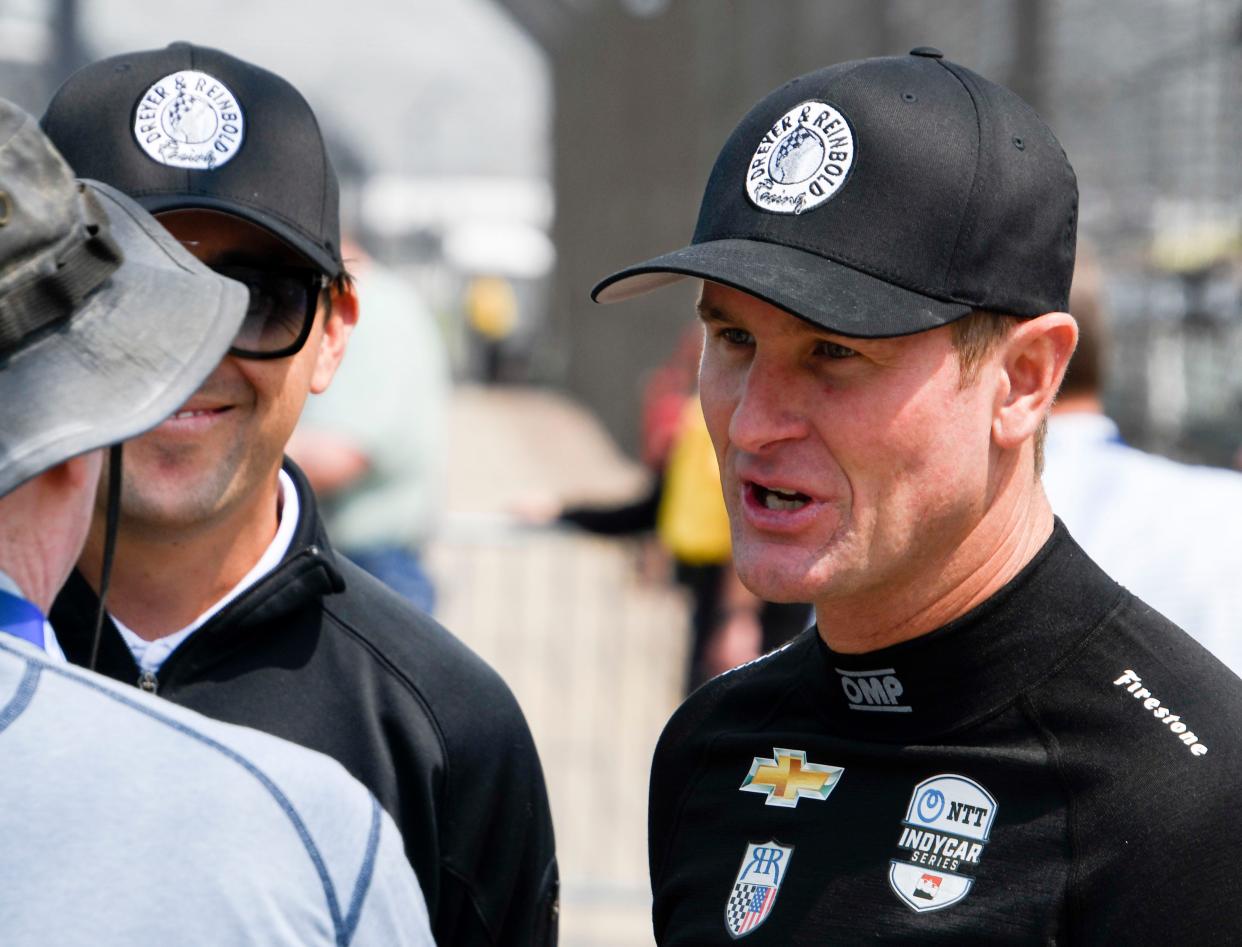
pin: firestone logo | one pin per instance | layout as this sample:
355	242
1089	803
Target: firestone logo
1134	684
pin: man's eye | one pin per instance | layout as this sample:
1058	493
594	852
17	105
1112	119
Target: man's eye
735	336
833	350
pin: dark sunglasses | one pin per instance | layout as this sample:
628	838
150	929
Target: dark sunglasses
283	302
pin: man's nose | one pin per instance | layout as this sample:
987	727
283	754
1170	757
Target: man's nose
767	412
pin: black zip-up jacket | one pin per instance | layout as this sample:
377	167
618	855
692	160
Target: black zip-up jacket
322	654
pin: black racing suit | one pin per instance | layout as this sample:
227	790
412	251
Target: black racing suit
1058	766
320	653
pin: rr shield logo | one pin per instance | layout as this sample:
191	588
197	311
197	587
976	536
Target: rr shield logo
754	892
943	836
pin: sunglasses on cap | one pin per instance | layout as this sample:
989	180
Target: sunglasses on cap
283	302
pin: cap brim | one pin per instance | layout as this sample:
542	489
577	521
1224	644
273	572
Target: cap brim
158	203
829	294
138	348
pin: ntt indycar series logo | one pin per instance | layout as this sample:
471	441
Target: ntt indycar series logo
943	836
802	161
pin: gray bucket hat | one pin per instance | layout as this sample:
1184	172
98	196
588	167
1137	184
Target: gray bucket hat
107	324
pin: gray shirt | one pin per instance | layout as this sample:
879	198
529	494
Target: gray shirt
125	819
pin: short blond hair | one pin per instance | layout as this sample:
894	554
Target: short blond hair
976	336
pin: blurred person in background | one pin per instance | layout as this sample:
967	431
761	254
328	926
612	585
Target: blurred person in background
107	325
1184	561
983	733
227	595
373	446
492	315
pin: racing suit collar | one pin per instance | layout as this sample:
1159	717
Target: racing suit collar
976	665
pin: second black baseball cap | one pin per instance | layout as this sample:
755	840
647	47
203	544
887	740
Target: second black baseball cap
188	126
883	197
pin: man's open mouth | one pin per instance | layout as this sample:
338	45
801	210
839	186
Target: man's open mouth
777	498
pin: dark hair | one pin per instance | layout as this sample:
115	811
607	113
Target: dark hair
338	285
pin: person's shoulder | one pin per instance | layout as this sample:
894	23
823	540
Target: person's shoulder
460	691
265	762
310	788
285	834
742	697
1140	687
1141	723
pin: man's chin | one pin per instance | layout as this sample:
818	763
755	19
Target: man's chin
791	572
175	503
785	580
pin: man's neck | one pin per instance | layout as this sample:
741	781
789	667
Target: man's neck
41	526
162	580
946	586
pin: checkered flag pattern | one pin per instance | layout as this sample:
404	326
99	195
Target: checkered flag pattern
746	907
180	106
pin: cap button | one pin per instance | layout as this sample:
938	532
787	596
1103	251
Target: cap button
931	52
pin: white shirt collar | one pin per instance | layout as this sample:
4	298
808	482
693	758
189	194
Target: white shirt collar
150	655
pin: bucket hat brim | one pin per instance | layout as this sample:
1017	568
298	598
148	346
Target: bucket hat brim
134	352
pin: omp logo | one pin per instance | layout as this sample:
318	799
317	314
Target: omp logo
873	690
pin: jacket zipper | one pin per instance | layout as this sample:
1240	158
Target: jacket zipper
148	681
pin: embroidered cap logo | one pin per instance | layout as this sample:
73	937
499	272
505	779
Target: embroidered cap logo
802	161
189	119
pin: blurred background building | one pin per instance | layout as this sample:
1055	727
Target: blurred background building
499	156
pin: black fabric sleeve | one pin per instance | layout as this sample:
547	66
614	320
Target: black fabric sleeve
499	879
468	791
636	517
1153	831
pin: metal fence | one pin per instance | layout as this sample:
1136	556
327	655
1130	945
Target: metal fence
595	653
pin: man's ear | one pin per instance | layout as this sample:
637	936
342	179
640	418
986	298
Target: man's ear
1033	362
341	320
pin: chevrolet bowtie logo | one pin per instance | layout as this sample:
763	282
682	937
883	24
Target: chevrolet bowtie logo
788	777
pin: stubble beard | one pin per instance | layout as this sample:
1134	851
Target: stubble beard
172	489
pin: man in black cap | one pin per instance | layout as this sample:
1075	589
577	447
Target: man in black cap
984	739
227	597
108	792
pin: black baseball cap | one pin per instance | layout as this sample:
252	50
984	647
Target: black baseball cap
188	126
883	197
